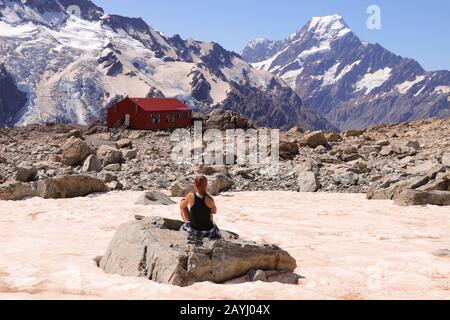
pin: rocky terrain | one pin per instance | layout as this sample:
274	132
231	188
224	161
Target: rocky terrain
382	161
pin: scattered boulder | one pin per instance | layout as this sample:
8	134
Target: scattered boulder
26	172
141	248
129	154
69	186
333	136
14	190
446	160
347	178
218	183
389	150
114	185
354	133
308	182
411	197
182	187
441	182
109	155
315	139
211	170
124	143
113	167
92	164
295	130
154	198
75	133
223	120
288	150
75	151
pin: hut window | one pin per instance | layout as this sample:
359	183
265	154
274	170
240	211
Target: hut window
155	118
171	117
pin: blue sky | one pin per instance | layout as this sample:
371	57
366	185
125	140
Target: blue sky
416	29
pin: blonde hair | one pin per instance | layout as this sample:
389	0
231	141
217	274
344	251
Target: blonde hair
201	184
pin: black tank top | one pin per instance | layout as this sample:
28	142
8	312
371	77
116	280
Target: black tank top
201	215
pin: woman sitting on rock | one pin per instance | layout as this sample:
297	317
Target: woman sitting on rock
197	211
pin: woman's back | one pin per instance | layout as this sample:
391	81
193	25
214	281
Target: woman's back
200	214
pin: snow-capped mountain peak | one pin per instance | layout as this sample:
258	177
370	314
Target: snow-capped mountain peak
353	83
328	26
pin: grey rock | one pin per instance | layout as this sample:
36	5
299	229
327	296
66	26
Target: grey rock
114	185
154	198
182	187
288	150
315	139
109	155
26	172
346	178
411	197
113	167
141	249
69	186
130	154
92	164
218	183
75	151
75	133
308	182
124	143
13	190
446	160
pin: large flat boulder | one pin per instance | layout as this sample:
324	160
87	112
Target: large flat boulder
69	186
14	190
411	197
153	248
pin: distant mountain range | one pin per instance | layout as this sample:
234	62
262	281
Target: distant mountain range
351	83
62	66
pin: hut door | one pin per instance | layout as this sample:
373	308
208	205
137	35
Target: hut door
127	120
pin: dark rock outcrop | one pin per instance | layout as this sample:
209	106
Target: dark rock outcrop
11	98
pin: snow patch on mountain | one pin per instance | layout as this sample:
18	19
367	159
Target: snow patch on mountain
290	77
404	87
442	89
373	80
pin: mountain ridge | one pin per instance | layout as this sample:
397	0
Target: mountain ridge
353	84
83	62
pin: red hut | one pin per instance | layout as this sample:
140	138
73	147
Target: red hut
149	114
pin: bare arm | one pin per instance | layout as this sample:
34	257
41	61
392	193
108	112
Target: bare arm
184	204
211	204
